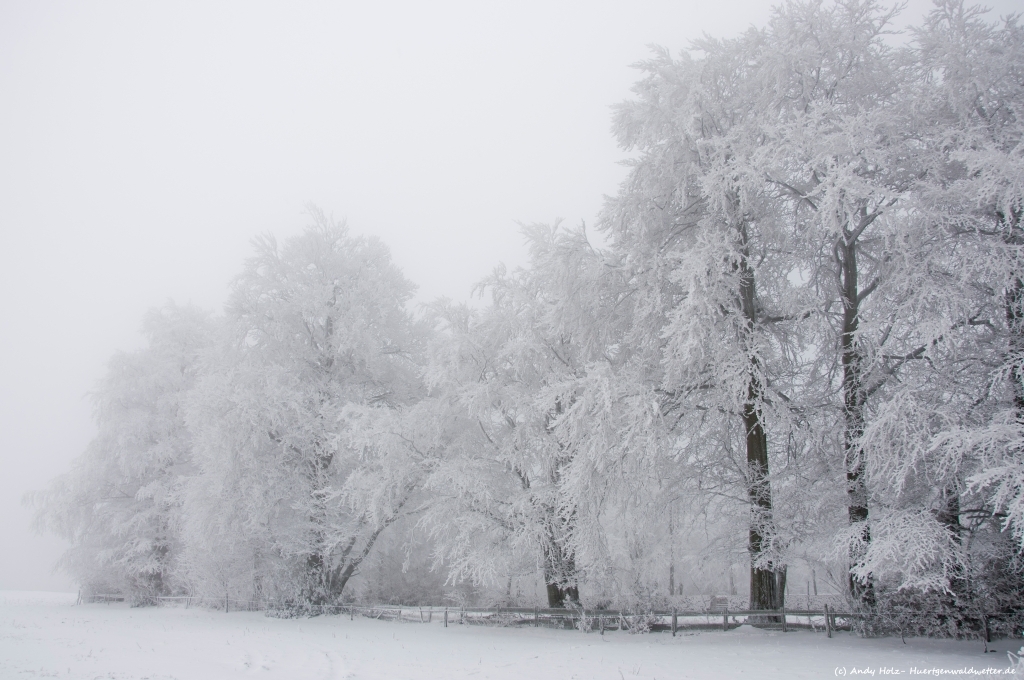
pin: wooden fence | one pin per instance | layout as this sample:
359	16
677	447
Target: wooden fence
824	620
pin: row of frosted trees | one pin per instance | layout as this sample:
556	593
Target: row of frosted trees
802	344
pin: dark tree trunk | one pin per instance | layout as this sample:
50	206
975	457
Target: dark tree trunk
762	578
854	400
328	571
153	584
763	591
559	576
316	580
780	588
671	553
949	515
348	562
557	595
317	589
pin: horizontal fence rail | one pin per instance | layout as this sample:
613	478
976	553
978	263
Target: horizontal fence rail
826	619
716	617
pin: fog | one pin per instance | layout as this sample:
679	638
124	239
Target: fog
142	146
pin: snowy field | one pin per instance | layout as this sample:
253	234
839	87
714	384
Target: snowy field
44	635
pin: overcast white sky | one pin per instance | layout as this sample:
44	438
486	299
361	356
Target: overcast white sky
143	144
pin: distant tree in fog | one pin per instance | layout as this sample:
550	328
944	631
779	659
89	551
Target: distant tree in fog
120	506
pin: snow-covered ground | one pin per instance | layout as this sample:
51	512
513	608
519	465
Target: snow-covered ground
46	635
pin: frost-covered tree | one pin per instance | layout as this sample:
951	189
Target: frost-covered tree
875	163
976	72
794	272
946	433
841	160
497	508
120	506
710	266
317	326
614	484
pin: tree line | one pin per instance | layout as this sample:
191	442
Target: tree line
799	343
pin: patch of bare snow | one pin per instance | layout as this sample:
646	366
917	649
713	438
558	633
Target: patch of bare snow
47	635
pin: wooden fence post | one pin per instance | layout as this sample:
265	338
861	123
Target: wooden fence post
828	623
226	604
725	619
601	623
674	622
536	619
446	617
783	618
